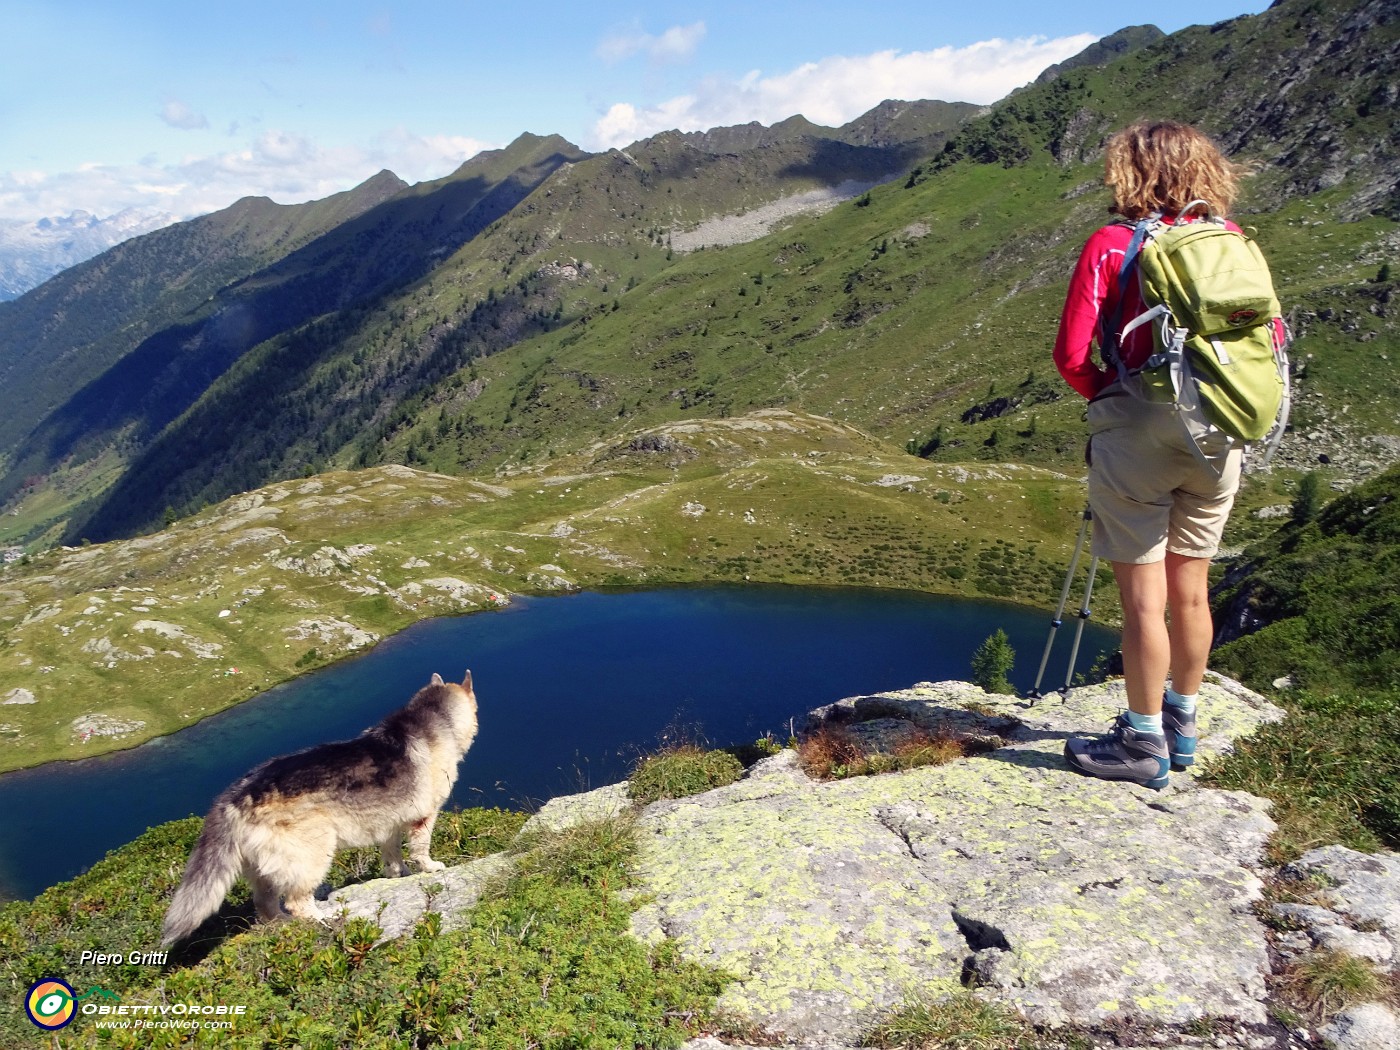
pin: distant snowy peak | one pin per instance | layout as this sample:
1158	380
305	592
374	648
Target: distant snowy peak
32	252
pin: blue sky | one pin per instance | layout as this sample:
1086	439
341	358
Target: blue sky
184	108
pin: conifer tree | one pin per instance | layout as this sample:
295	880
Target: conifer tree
992	662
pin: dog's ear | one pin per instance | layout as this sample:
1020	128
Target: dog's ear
436	679
467	681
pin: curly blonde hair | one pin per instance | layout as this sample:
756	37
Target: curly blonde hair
1164	166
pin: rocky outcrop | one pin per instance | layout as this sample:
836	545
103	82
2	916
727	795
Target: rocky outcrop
395	905
1102	52
1074	901
1359	908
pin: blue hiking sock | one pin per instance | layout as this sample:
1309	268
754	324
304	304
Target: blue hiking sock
1184	704
1145	723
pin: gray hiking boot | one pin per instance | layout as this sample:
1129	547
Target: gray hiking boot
1122	753
1180	730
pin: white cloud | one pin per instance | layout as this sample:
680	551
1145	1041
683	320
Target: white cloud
178	115
839	88
287	167
673	45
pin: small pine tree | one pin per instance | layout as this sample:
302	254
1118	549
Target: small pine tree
992	662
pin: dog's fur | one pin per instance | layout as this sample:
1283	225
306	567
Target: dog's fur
281	824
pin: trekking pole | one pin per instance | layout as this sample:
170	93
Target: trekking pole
1035	693
1079	628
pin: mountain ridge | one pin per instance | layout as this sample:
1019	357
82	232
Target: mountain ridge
570	314
798	162
32	252
185	264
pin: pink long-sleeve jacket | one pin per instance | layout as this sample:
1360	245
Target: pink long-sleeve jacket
1093	295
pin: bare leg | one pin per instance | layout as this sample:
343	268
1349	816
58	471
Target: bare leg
1191	629
420	837
1146	644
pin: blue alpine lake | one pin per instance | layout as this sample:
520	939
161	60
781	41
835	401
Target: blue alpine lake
571	691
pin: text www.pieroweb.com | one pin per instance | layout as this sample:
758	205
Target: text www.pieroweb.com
179	1017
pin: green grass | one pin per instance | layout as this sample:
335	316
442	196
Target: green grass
1325	591
1324	982
1329	770
787	499
960	1022
681	771
544	959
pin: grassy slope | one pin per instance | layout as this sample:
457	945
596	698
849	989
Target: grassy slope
902	312
322	383
787	498
900	316
875	314
59	337
1323	595
1327	590
544	958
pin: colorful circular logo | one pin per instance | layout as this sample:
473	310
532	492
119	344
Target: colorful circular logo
50	1004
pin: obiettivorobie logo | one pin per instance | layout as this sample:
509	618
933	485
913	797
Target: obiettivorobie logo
52	1004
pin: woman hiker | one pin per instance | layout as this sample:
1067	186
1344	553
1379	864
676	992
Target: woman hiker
1159	508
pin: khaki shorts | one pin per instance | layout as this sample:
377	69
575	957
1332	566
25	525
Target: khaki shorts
1149	490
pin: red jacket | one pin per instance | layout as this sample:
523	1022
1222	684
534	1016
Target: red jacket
1093	293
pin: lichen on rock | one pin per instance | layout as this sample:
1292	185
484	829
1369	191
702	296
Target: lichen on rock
1073	900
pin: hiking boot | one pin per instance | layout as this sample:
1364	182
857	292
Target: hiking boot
1180	730
1122	753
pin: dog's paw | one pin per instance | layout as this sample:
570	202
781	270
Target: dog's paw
396	870
309	911
431	865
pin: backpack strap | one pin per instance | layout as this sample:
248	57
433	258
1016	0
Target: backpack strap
1110	338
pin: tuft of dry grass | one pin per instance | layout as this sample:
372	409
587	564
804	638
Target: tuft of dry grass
1324	982
834	753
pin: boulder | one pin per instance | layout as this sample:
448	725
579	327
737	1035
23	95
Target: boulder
1070	899
1370	1026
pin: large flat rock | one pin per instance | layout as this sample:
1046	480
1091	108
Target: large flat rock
1069	898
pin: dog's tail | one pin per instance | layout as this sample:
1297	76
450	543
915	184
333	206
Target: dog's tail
213	867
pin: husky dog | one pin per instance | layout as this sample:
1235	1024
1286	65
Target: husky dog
281	824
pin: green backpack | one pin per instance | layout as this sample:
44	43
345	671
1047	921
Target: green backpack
1222	354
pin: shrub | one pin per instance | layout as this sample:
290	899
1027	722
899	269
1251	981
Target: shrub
545	958
1327	981
1308	499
